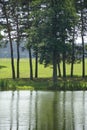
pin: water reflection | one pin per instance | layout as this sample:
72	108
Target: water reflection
37	110
11	109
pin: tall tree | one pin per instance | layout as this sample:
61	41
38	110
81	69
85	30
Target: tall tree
73	53
29	43
18	18
6	12
82	36
81	6
15	15
56	22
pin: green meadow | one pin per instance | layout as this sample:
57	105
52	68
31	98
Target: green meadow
5	69
44	80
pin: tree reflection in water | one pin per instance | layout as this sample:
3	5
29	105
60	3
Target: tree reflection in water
11	108
41	110
17	110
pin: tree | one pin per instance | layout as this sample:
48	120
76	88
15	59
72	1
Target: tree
81	6
35	39
30	59
6	14
56	23
34	33
58	62
73	52
29	41
82	35
18	18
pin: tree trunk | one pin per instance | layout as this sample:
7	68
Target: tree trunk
83	59
12	59
58	63
30	61
54	68
64	58
10	40
82	36
36	64
64	66
72	62
18	53
59	70
18	60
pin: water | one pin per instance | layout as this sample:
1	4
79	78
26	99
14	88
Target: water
43	110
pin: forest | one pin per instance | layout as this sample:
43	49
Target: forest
48	27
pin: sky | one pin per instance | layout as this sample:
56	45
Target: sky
79	40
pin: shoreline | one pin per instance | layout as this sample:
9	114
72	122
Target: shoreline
64	84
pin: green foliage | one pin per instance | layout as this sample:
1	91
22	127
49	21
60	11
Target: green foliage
6	84
1	37
3	84
44	84
55	20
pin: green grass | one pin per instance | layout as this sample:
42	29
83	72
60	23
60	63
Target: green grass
44	82
5	69
24	84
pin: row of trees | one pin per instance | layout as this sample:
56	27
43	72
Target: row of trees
50	27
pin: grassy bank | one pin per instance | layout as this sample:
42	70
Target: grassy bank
44	82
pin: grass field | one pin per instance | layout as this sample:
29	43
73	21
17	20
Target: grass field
5	69
44	81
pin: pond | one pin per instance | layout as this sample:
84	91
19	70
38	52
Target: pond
43	110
